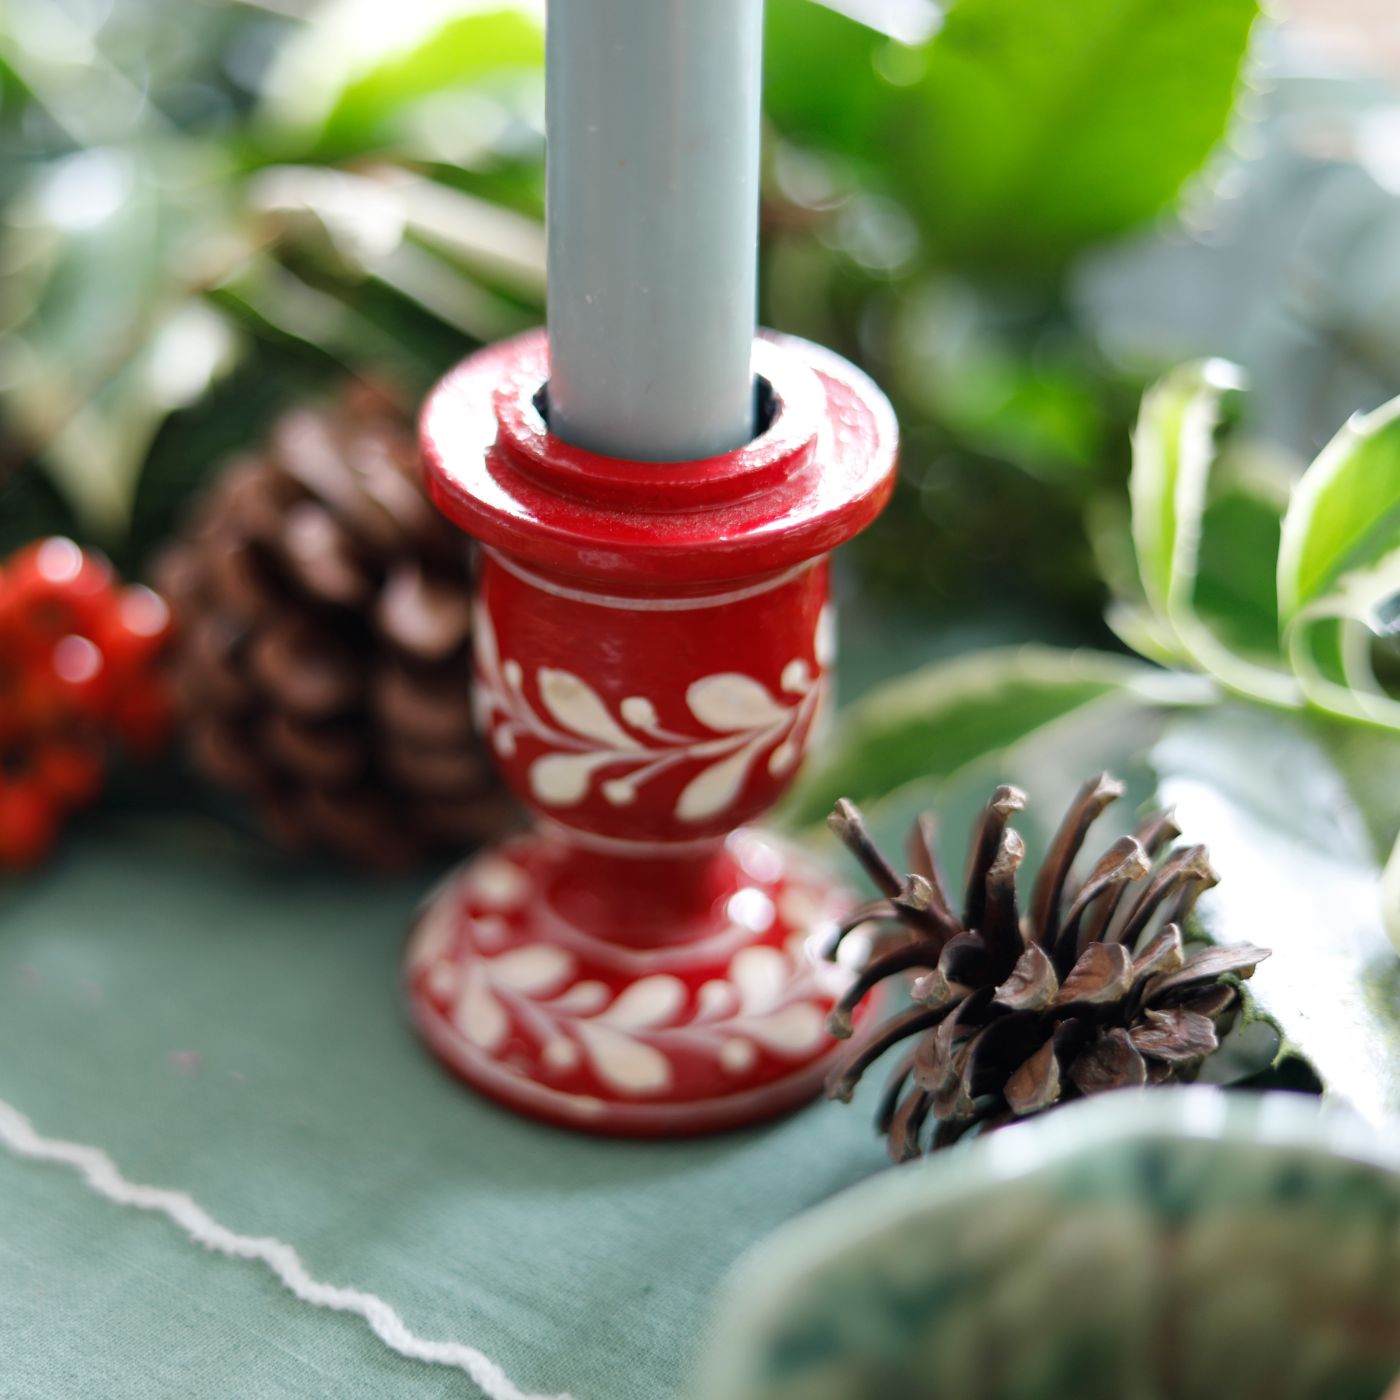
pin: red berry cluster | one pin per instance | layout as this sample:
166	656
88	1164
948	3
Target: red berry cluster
78	654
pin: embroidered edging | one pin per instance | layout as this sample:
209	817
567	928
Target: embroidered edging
98	1170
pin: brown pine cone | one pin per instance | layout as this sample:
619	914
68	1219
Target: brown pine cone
1092	990
324	665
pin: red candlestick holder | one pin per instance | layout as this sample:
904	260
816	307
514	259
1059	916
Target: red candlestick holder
653	644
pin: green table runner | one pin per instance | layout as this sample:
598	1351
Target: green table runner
233	1030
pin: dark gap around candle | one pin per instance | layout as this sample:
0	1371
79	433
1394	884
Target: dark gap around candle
765	405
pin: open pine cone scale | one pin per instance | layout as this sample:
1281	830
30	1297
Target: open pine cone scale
1090	990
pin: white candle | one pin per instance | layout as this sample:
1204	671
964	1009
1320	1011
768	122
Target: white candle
653	149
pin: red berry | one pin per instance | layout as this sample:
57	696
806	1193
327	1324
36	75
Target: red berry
77	662
70	770
28	822
53	588
133	630
77	681
144	716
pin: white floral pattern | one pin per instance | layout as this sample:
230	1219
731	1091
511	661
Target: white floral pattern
585	740
770	998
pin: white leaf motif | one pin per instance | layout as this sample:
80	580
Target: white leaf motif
625	1063
639	712
760	973
582	999
782	758
792	1030
496	882
534	969
649	1001
715	787
479	1016
796	678
729	702
577	706
824	643
561	779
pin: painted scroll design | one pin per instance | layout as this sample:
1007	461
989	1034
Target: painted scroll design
771	999
586	740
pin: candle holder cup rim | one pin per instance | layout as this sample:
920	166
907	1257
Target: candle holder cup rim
806	483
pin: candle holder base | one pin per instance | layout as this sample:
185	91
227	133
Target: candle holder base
710	1015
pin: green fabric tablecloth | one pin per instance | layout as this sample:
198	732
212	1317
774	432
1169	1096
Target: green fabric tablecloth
233	1029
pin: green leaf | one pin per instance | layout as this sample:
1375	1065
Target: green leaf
1173	447
1043	127
1040	409
820	82
1390	896
96	456
1173	453
1235	572
343	86
458	54
936	720
1298	875
1345	512
105	331
1339	567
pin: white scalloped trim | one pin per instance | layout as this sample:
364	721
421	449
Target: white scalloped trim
17	1133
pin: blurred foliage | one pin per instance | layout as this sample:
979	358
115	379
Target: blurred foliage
191	187
926	205
1005	212
1022	131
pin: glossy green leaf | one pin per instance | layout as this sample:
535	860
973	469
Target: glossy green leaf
1041	127
934	721
460	53
1173	454
1173	447
1339	567
1235	572
342	85
849	106
1345	512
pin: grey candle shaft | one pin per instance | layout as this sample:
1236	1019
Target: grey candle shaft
652	116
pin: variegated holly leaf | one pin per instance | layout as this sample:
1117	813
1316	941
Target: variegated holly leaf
1173	454
934	721
1339	567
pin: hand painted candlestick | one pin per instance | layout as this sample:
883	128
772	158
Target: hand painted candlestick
652	629
652	651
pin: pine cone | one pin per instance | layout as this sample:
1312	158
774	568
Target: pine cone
325	666
1014	1015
